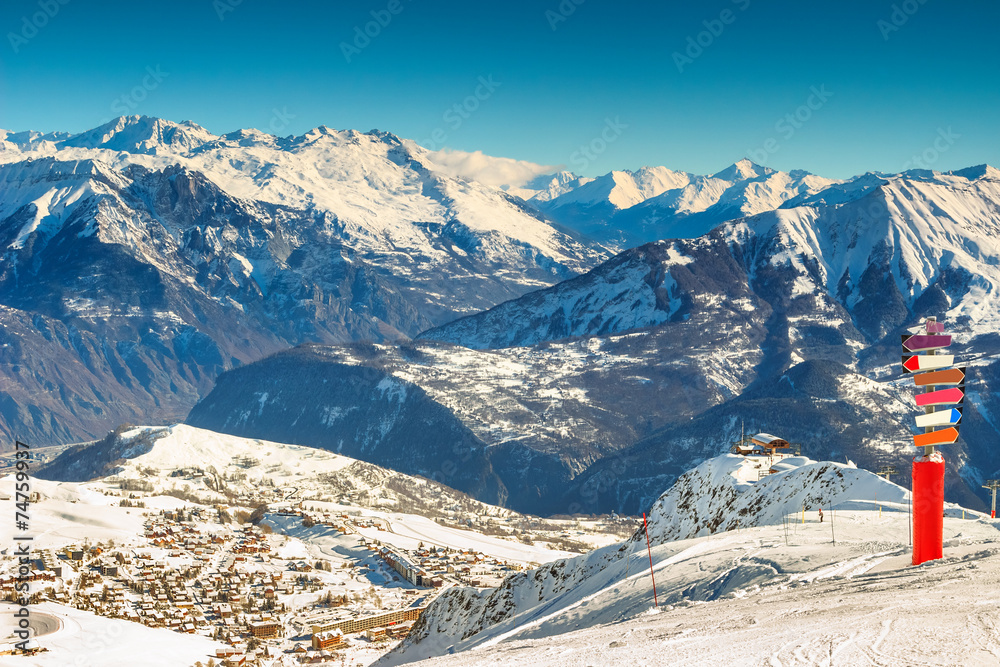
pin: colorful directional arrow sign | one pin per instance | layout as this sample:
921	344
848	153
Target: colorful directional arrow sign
950	417
946	436
941	397
928	468
927	362
950	376
924	343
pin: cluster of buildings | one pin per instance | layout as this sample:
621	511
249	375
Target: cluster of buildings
197	575
434	566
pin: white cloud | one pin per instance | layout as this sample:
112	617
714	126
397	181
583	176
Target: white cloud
486	169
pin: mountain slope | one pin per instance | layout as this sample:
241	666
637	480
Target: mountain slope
612	585
304	396
827	282
216	467
171	254
588	394
894	252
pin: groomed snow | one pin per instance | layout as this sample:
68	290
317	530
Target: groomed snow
87	640
749	598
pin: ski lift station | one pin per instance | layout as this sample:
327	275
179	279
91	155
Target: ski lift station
763	450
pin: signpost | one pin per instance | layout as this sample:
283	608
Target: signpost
935	371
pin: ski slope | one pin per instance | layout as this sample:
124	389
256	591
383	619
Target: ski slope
751	598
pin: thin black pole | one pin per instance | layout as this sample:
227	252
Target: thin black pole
833	513
650	549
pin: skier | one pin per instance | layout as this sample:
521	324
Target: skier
821	515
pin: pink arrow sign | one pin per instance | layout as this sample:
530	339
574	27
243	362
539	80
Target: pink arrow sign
922	343
941	397
935	327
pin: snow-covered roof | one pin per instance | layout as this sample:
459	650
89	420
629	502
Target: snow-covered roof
768	440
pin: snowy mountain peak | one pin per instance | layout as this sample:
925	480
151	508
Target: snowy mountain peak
742	171
142	135
980	171
731	491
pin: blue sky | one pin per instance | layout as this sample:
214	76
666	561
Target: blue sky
837	88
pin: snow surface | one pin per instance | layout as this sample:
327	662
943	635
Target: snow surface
70	513
792	591
408	531
747	598
87	640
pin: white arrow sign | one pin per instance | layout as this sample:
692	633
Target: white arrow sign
940	418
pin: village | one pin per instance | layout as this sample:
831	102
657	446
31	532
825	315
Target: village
268	554
199	570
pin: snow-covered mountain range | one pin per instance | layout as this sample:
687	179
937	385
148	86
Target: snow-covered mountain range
628	208
143	257
594	393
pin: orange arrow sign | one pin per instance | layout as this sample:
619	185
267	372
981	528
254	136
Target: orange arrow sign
949	376
946	436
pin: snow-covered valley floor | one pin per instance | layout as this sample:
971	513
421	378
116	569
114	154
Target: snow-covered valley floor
747	598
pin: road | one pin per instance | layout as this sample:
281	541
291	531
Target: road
41	623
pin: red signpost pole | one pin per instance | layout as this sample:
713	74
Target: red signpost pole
650	550
928	507
928	470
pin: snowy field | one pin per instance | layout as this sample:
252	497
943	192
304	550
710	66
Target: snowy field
748	598
408	531
84	639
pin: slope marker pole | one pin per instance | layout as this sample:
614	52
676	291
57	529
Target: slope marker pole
650	550
992	485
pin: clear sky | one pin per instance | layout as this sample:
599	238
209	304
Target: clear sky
690	85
